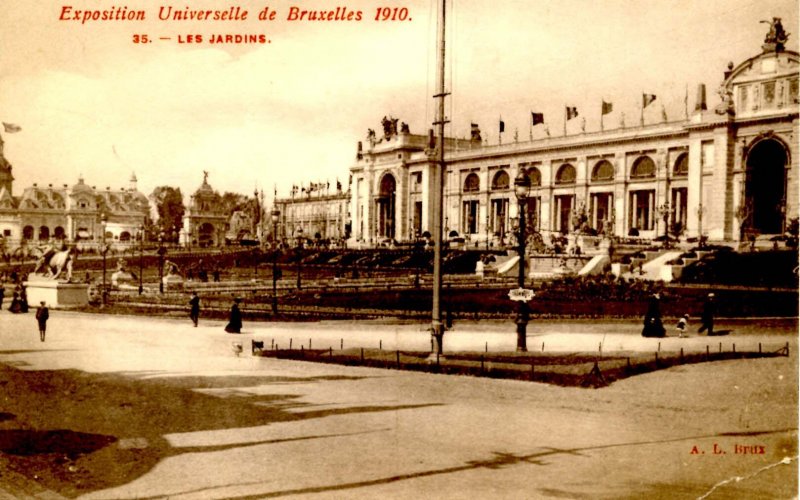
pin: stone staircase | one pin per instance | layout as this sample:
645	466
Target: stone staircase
538	266
595	266
664	265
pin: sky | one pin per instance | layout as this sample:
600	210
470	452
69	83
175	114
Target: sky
92	102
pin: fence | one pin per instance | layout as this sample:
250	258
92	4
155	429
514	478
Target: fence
563	369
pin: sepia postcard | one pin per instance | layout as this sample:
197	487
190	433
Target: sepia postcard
399	249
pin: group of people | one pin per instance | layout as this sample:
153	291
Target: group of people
19	304
234	318
653	326
19	301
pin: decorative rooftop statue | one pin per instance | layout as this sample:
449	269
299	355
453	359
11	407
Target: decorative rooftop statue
776	37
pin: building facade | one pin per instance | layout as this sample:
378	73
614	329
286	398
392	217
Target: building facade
313	213
205	221
69	214
722	174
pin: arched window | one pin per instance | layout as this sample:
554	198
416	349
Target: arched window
643	168
472	183
565	174
500	180
44	233
535	176
681	165
27	232
59	233
388	185
603	171
124	236
58	201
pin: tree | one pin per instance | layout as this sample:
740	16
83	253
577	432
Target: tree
233	202
169	205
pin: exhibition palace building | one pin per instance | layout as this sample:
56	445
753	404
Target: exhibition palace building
720	173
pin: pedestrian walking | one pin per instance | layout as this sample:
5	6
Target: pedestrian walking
194	311
234	319
653	327
42	315
23	300
2	295
682	325
707	317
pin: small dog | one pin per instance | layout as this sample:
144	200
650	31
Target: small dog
237	348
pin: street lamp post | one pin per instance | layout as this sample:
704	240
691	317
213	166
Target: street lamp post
299	257
161	252
141	257
256	255
276	214
664	210
700	238
103	249
487	227
522	185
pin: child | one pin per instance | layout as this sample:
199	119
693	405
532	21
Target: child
682	325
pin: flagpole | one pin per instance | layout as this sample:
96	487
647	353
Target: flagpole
602	105
565	120
500	131
641	111
686	102
437	327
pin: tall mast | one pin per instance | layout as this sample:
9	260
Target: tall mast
437	328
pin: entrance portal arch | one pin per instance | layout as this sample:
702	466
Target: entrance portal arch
386	206
205	235
765	187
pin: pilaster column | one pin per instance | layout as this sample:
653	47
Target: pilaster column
620	194
694	195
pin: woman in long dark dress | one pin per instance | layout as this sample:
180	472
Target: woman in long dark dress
15	304
23	300
235	319
652	319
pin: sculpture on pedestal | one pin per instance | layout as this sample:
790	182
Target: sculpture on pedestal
51	279
52	263
121	276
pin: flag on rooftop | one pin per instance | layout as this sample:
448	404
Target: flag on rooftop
647	99
536	118
11	128
572	112
607	107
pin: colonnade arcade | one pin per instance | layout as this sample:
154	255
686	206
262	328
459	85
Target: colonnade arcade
722	173
572	200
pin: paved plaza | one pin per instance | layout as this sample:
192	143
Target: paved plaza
181	416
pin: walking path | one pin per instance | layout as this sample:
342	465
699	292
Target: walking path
327	431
